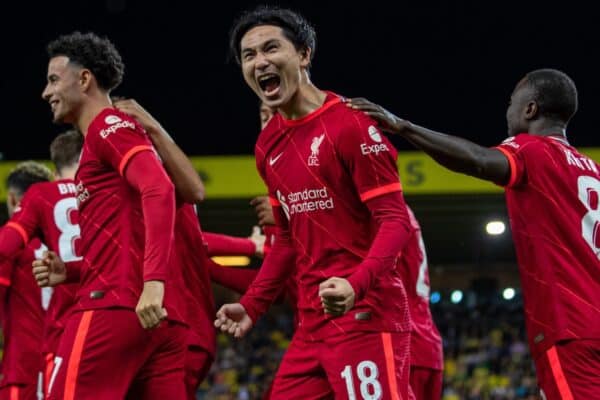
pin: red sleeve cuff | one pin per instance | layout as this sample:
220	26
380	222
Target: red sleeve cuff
129	155
512	164
251	311
274	202
360	280
20	230
381	190
155	277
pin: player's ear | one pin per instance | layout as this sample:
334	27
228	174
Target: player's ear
305	54
12	201
531	110
85	78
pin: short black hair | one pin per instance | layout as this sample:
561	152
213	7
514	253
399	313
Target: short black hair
295	28
65	149
26	174
90	51
554	92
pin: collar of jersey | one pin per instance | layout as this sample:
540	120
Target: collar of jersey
559	138
332	100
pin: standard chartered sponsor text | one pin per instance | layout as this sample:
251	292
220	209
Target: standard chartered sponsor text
309	200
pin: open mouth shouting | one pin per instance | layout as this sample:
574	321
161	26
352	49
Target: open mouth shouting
270	84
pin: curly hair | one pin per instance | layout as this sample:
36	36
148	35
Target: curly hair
65	149
554	92
90	51
26	174
295	28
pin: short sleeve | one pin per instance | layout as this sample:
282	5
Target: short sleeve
369	157
512	148
118	139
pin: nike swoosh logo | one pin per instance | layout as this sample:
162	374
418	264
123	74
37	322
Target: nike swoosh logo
274	160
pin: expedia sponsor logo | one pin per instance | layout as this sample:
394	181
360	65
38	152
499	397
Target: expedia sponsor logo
366	149
82	193
113	128
374	134
376	148
307	200
112	119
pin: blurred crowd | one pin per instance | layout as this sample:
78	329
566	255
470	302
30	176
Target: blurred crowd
485	352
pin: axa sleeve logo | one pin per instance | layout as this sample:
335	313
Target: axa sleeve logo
377	147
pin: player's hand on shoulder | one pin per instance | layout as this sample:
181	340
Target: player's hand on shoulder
49	270
387	120
233	319
150	309
136	111
337	296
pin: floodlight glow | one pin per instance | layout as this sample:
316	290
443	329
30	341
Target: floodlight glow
435	297
456	296
495	228
508	293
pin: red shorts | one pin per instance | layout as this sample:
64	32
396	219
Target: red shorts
19	392
426	383
48	367
104	353
197	365
359	365
570	370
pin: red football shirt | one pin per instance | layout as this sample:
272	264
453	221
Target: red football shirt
48	211
321	170
426	343
24	313
553	200
115	263
190	253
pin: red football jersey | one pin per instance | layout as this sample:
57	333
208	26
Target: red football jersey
320	170
24	313
553	200
112	220
426	343
190	253
48	211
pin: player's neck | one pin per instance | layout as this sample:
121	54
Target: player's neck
93	106
66	173
548	128
307	99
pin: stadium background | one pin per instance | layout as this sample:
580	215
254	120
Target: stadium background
446	65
